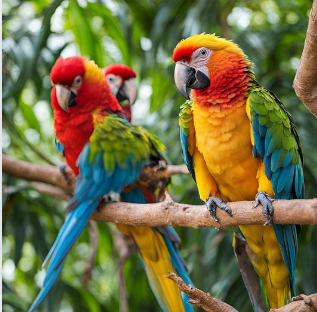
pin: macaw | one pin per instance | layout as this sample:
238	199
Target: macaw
239	143
159	256
103	150
121	80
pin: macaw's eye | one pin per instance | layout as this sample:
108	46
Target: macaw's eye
203	52
110	78
77	80
184	60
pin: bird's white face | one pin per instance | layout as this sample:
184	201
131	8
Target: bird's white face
122	90
193	74
114	82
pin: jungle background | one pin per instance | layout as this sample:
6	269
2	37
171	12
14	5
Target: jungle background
141	34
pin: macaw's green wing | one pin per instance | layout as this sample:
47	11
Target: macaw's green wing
276	141
185	120
114	157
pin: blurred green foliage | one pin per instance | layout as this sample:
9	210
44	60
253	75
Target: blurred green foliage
143	35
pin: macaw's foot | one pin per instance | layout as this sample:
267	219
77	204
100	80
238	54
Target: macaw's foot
157	165
102	201
213	202
64	170
266	201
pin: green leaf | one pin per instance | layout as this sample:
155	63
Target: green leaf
29	116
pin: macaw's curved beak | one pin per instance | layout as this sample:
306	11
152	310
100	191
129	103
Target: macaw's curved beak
189	77
65	97
127	91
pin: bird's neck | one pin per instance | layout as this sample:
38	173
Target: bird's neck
229	84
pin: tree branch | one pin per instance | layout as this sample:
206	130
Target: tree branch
38	173
168	212
51	174
200	298
301	303
305	82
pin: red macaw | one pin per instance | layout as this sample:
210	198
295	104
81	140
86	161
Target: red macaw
239	143
107	154
121	80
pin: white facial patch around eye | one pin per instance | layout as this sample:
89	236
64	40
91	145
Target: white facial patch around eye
77	83
114	83
200	57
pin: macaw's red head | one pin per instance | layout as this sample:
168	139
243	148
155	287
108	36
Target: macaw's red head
79	87
121	80
216	69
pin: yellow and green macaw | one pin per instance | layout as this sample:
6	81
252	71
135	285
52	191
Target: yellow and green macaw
239	143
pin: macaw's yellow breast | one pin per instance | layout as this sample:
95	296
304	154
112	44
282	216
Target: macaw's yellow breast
223	138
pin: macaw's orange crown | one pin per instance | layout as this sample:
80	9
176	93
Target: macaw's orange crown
186	47
124	71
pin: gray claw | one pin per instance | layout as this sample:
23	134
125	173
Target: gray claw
213	202
62	170
267	209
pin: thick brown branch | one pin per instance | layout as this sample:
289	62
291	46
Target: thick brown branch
208	303
51	174
198	297
34	172
175	214
169	212
305	82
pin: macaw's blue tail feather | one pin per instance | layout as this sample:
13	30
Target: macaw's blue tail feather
72	228
45	289
158	248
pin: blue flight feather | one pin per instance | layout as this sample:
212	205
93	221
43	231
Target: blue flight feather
187	157
287	181
60	147
90	186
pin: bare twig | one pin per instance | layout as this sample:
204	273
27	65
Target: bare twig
208	303
94	242
47	189
198	297
305	82
125	248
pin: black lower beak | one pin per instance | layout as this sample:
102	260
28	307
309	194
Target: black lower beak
189	77
121	96
72	99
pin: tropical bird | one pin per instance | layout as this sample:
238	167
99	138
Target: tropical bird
121	80
239	143
102	148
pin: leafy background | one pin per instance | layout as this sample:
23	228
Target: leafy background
143	35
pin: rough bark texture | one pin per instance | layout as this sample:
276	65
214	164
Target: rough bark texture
301	303
198	297
168	212
305	82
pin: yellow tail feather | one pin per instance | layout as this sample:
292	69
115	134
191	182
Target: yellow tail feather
158	263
